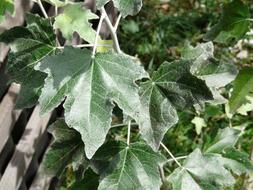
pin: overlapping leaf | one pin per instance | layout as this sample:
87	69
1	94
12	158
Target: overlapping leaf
5	6
211	170
201	172
133	167
224	144
171	86
28	47
233	25
91	86
206	67
75	18
66	148
243	86
126	7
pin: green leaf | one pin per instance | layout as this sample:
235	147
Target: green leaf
133	167
75	18
6	6
233	25
225	138
126	7
201	172
223	144
212	169
180	86
66	148
236	161
243	86
90	181
206	67
91	86
247	107
199	124
158	114
29	46
172	85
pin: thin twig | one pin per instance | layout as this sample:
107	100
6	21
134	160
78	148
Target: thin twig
42	8
113	33
171	155
117	23
177	158
97	34
128	132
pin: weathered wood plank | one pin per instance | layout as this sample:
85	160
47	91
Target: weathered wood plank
8	116
24	152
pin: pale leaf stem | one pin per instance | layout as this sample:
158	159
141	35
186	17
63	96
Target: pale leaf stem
128	132
97	34
42	8
112	31
117	23
171	155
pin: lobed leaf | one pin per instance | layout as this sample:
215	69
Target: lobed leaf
131	167
75	18
28	47
90	87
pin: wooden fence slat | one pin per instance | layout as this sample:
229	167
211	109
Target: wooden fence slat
24	152
8	116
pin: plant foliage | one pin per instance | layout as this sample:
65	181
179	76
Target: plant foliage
102	89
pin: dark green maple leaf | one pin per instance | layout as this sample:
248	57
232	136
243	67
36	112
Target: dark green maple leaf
28	47
172	85
233	25
66	148
130	167
126	7
90	87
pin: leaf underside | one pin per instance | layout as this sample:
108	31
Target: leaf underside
75	18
